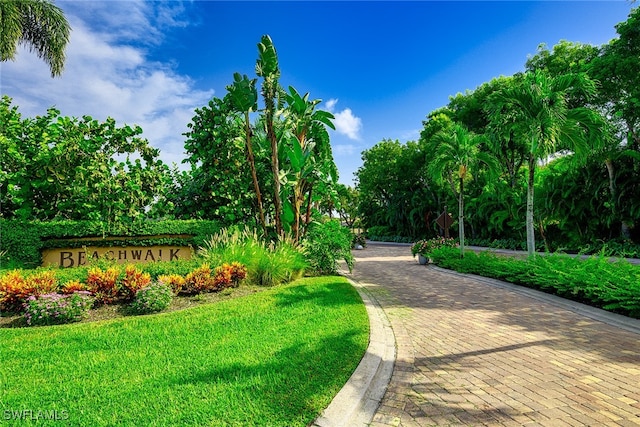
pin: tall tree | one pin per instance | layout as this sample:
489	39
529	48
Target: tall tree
535	109
38	24
267	67
218	186
455	152
617	68
244	98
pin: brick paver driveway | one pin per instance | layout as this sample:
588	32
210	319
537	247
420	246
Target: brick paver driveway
472	354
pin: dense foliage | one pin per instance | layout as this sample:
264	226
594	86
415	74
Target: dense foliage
55	167
567	130
325	245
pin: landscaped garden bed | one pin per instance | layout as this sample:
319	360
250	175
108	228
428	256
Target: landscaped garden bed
276	357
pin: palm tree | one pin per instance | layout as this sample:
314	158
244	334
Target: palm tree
535	110
40	25
455	151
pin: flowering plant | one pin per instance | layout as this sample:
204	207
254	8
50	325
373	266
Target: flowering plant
425	246
54	308
152	299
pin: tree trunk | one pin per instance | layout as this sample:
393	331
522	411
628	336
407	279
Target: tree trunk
308	216
613	198
531	240
275	169
254	174
461	217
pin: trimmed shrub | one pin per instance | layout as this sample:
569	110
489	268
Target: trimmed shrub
104	284
133	281
54	308
199	280
73	286
174	281
152	299
238	273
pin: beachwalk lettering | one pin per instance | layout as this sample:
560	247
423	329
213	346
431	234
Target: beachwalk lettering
130	254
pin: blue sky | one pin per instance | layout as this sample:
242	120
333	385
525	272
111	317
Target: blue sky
379	66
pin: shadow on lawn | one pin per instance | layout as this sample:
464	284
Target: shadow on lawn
328	295
292	386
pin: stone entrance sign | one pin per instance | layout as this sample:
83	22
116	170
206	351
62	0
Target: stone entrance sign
74	257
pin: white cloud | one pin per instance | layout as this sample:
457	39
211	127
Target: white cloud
344	149
330	104
346	123
104	76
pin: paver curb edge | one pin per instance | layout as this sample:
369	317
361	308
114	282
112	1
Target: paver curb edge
613	319
356	403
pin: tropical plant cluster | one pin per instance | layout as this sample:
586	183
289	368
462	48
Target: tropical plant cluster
597	280
268	166
45	299
566	130
325	245
240	254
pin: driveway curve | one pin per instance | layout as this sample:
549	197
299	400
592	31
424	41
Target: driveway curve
471	354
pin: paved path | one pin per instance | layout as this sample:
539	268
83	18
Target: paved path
470	354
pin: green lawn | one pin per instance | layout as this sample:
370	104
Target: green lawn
274	358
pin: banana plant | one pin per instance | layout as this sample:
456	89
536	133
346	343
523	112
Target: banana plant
267	67
308	151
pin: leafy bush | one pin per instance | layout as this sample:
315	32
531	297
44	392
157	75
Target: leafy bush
152	299
267	264
54	308
326	243
229	275
133	281
73	286
379	230
199	280
104	284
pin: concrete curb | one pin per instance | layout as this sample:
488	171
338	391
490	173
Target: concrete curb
613	319
356	403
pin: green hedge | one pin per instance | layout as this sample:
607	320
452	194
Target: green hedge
23	240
